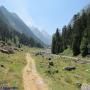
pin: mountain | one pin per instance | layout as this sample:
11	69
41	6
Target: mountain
11	35
48	38
15	22
42	35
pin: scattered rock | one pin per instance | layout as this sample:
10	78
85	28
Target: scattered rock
78	84
37	54
16	49
49	58
83	62
70	68
4	51
7	50
78	59
21	49
85	86
51	63
77	76
2	66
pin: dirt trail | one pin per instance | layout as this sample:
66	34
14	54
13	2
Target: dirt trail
31	78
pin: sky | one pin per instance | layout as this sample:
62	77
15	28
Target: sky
46	15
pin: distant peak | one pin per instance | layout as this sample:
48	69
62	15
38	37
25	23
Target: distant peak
14	14
45	33
2	7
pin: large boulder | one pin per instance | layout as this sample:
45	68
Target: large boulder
85	86
7	50
70	68
4	51
51	63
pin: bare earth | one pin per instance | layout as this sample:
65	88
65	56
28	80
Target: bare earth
31	79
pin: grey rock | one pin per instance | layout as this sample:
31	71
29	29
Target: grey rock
85	86
70	68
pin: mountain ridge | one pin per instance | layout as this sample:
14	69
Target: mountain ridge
13	20
44	36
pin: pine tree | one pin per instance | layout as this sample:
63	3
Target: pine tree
53	44
57	44
69	36
84	43
76	35
64	36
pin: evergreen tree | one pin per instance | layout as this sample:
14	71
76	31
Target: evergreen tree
76	35
57	44
53	50
64	37
85	43
69	36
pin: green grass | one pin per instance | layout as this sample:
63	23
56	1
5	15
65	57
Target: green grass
63	80
11	73
67	52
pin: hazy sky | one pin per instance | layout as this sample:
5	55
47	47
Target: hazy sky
45	14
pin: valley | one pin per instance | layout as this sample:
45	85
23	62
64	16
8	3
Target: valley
44	45
60	79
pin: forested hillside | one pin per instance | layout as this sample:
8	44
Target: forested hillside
76	35
10	34
12	37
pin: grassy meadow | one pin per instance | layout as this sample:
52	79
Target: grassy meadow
11	69
59	79
55	76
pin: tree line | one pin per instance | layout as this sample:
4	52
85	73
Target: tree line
76	35
13	37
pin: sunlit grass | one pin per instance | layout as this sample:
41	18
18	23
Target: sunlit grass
11	73
63	80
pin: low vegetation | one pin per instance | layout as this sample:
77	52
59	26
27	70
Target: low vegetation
51	67
11	69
